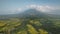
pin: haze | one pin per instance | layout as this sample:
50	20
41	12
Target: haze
16	6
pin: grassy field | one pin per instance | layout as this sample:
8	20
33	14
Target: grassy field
30	26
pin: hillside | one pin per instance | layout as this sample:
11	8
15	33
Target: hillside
29	22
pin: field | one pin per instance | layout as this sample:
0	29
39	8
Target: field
29	26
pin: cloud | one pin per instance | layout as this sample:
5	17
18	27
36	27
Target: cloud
11	11
18	9
45	8
31	6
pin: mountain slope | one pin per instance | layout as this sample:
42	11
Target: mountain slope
33	13
30	13
33	22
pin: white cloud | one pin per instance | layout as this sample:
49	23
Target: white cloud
42	8
18	9
31	6
14	11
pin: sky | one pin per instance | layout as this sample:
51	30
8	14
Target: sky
16	6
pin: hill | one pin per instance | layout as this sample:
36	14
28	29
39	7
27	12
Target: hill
30	21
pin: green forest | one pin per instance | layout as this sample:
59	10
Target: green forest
30	26
29	16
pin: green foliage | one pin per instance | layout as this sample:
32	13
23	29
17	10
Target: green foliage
31	29
30	26
42	31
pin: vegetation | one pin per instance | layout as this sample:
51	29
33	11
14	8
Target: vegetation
30	26
32	22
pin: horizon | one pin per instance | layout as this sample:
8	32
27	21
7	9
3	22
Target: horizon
16	6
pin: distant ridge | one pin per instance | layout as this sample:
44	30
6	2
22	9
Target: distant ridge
30	13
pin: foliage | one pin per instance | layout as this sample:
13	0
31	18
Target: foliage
30	26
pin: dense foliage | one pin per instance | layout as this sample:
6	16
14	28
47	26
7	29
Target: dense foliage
30	26
29	22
